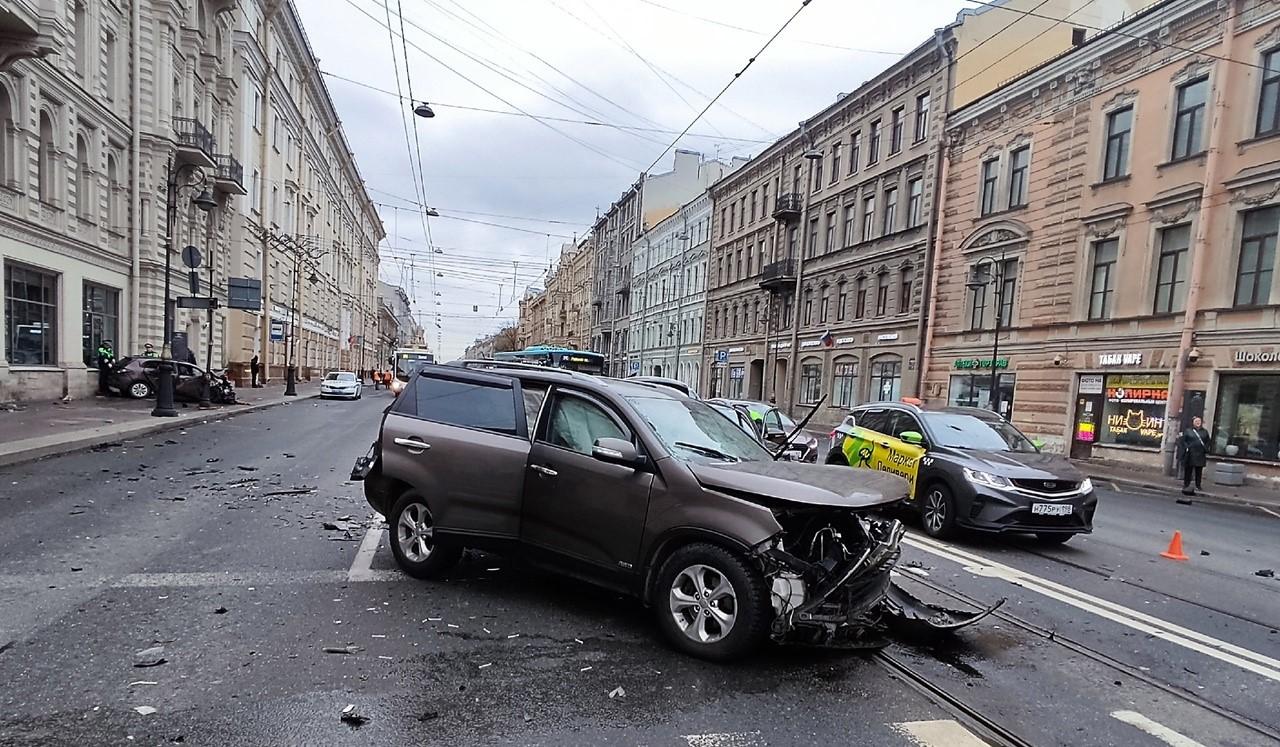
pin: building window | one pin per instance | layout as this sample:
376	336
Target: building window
835	161
824	305
848	225
114	195
1247	417
1019	164
982	294
1134	409
855	145
83	177
882	294
810	382
735	382
812	248
1257	256
101	319
754	194
45	169
1269	97
974	390
905	290
81	31
1119	126
817	172
1189	120
886	379
808	307
922	117
764	201
895	130
860	299
1171	270
890	209
990	175
873	143
733	323
831	232
868	217
109	70
842	300
30	316
795	180
792	235
915	202
844	383
1103	278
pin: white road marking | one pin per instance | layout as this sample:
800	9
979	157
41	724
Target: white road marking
361	569
1229	653
942	733
1264	508
727	739
63	582
1155	729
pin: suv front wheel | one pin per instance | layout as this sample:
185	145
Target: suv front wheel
413	540
711	603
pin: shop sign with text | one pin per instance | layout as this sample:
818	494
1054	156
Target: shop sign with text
1256	356
1120	359
1134	408
966	364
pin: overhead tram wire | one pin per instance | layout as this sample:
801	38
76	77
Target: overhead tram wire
803	4
568	120
480	222
455	71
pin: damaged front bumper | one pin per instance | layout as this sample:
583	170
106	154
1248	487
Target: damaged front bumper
832	586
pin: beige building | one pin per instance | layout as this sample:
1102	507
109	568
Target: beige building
560	313
1117	210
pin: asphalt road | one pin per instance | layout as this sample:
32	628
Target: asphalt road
211	543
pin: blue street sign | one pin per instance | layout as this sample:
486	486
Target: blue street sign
277	330
722	356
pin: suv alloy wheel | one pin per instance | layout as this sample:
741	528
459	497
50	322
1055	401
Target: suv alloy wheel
710	603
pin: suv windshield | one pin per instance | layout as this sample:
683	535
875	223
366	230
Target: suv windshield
968	432
692	430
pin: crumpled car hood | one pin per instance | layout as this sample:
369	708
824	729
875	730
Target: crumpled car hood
812	484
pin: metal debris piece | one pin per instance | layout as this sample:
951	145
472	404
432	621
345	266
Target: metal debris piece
135	683
585	669
149	657
617	692
353	717
513	635
211	460
429	716
246	468
1265	573
486	665
144	710
342	649
220	611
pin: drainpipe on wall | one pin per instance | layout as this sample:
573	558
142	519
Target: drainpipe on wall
793	372
135	190
1219	136
937	218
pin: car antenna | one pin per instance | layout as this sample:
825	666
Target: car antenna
799	427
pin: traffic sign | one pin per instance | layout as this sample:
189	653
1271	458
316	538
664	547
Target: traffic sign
722	356
277	330
191	256
195	302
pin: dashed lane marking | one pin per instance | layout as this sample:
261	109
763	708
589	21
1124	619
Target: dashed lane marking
726	739
1229	653
361	566
1155	729
941	733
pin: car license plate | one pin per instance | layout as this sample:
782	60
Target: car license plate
1051	509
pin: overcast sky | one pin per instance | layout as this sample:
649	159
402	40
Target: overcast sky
647	64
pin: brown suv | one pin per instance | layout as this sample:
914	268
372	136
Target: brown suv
640	489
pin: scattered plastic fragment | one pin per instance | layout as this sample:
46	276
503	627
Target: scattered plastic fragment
617	692
353	717
149	657
145	710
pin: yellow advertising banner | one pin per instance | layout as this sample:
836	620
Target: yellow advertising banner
871	450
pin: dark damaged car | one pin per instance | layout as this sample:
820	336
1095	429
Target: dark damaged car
640	489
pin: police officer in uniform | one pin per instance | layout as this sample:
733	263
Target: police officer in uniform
106	358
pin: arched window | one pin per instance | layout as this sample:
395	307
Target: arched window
810	380
886	378
114	217
83	175
844	382
44	158
6	135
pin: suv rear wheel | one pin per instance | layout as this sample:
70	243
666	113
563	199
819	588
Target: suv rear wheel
413	541
711	604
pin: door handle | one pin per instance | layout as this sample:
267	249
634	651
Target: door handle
884	444
543	470
412	443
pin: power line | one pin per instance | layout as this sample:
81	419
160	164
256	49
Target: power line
803	4
474	220
589	122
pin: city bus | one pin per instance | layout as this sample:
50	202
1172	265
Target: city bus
556	357
407	362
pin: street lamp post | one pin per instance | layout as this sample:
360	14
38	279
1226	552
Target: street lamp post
206	399
183	177
990	271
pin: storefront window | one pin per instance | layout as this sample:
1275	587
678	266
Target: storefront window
30	316
101	320
974	390
1133	409
844	385
1247	418
810	382
735	382
886	379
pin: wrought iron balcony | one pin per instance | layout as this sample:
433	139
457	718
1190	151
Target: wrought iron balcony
195	142
779	276
788	207
229	175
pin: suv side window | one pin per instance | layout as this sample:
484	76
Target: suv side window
468	404
772	421
901	422
575	423
873	420
534	393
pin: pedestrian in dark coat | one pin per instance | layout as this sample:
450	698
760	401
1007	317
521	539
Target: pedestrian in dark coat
106	356
1195	450
191	356
254	368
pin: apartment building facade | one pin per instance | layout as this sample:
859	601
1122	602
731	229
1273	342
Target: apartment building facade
819	248
669	272
1115	211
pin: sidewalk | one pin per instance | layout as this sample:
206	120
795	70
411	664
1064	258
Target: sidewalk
32	430
1125	476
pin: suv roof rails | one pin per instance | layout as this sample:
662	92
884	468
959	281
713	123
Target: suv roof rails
513	365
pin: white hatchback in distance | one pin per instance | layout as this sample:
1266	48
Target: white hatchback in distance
341	384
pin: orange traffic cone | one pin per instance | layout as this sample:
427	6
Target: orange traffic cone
1175	548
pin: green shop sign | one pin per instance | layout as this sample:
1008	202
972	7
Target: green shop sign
972	363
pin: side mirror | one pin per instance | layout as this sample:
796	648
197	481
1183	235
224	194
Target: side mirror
616	451
912	437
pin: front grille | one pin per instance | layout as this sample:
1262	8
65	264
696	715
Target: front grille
1050	487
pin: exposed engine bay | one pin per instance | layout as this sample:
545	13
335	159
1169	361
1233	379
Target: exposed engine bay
829	571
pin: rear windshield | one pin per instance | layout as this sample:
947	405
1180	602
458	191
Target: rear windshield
468	404
335	376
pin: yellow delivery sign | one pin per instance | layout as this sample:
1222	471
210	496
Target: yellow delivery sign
871	450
